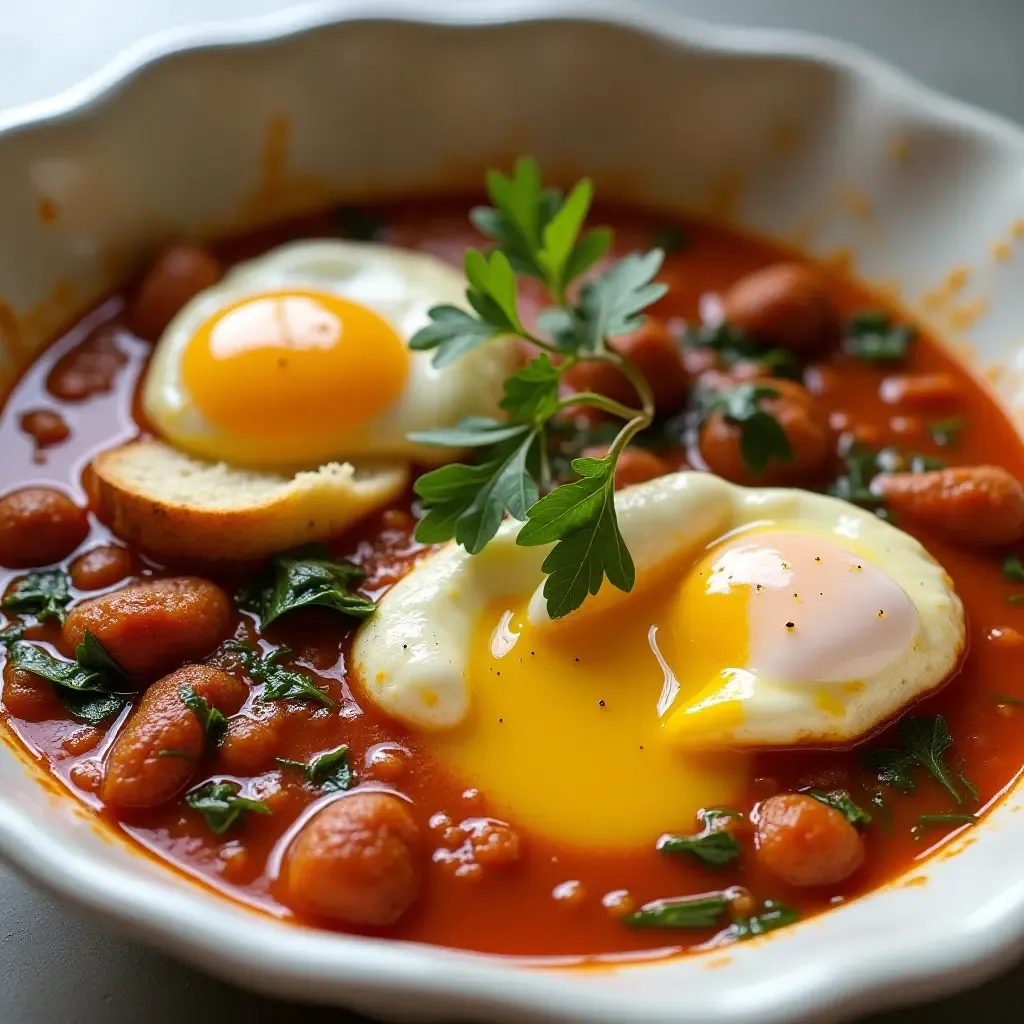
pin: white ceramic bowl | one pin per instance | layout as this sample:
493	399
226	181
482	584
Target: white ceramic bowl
791	136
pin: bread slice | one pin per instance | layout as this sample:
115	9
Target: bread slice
177	506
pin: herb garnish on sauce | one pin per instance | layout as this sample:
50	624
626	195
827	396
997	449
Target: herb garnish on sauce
839	800
925	740
329	770
873	337
279	683
305	579
43	594
90	687
221	806
210	718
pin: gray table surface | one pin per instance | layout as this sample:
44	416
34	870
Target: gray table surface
59	969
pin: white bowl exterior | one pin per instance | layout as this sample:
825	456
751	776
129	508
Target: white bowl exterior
789	136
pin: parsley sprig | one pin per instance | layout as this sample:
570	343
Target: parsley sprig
924	741
540	233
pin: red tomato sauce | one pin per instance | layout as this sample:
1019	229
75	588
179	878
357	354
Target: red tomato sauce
524	907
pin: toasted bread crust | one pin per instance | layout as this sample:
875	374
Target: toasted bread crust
308	507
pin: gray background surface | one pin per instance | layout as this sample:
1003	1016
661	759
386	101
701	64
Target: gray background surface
56	968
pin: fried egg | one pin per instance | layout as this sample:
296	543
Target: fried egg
301	357
760	618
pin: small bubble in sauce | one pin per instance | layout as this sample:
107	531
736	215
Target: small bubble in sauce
439	821
1005	636
569	894
618	903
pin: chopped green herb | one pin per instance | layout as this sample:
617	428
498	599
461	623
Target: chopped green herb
44	594
9	634
90	686
221	806
279	683
1006	698
329	770
946	433
761	436
709	815
170	752
303	580
925	740
839	800
872	337
734	345
1015	599
969	786
682	912
359	223
926	821
773	915
713	847
210	718
540	233
1013	569
670	238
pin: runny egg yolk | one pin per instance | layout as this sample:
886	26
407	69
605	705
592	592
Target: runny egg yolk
588	729
286	366
563	732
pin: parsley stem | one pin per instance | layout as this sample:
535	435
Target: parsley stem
634	376
597	401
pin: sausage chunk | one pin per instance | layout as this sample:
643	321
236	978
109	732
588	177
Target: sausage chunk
654	352
785	304
634	465
151	627
804	842
29	697
39	525
102	567
156	753
804	424
978	506
355	861
179	273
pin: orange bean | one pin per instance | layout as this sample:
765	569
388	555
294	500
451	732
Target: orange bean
804	424
178	274
804	842
785	304
355	861
654	352
153	758
978	506
39	525
154	626
29	697
920	390
102	567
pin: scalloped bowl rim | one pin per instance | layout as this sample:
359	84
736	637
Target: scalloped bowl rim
197	927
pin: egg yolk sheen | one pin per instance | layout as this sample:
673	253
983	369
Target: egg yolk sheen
292	368
575	727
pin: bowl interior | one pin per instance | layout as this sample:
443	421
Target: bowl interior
800	147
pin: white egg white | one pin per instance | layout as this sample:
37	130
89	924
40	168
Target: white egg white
412	657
